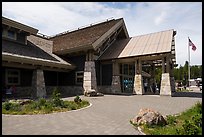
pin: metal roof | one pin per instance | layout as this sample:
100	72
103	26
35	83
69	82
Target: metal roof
153	43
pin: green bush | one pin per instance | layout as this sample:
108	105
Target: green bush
190	128
193	126
171	120
198	107
11	106
56	98
77	99
7	106
73	105
197	120
42	101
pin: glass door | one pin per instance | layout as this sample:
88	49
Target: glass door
127	77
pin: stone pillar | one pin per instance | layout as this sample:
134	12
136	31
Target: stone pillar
38	84
116	86
138	80
165	79
89	80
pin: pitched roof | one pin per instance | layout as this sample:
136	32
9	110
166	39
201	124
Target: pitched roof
19	26
25	50
153	43
82	38
32	54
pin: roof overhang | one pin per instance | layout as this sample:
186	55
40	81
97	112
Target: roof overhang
35	61
72	50
19	26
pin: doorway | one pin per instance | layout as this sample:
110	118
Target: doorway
127	73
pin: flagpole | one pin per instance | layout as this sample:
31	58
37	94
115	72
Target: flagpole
189	65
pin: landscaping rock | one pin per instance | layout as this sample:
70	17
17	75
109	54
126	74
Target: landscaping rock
149	117
92	93
20	101
99	94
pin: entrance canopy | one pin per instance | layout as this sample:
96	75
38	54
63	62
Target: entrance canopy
149	44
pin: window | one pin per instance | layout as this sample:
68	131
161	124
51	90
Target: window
79	77
9	34
12	77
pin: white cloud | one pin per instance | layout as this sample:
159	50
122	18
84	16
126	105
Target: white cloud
140	18
159	19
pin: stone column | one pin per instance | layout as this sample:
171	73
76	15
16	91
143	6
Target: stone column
116	86
138	80
38	84
89	80
165	80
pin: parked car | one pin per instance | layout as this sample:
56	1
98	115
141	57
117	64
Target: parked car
200	86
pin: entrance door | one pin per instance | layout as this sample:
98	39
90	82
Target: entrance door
127	77
127	84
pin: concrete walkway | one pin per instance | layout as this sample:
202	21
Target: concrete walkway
108	115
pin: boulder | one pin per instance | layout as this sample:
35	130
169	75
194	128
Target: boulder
149	117
92	93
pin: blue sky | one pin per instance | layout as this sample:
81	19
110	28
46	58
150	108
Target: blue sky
51	18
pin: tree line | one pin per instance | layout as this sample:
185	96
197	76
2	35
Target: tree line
181	73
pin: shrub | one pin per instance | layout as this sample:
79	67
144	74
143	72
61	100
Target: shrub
198	107
190	128
35	105
73	106
77	99
197	120
7	106
42	101
56	98
171	120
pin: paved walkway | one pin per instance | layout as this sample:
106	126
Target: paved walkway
108	115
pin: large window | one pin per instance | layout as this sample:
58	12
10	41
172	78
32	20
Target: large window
12	77
79	77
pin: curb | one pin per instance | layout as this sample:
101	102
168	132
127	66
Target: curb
140	130
48	113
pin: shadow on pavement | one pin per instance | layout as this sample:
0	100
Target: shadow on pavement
188	94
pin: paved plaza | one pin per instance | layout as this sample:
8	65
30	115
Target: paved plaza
108	115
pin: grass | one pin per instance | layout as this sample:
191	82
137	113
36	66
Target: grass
188	122
42	106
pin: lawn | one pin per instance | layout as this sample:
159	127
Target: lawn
188	122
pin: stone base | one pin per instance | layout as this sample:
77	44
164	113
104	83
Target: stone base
116	87
38	84
138	85
89	80
165	85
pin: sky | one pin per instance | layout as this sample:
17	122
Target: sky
52	18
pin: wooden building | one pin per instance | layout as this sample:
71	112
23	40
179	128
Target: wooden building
100	57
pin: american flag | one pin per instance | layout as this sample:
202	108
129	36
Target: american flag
191	44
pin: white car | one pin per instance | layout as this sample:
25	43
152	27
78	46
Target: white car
201	87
